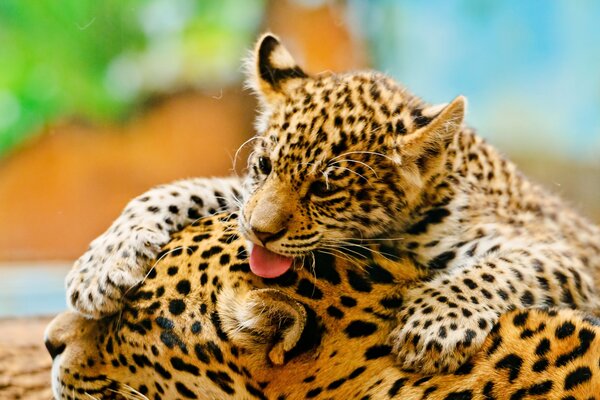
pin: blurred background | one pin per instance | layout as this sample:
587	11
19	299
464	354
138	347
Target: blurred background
101	100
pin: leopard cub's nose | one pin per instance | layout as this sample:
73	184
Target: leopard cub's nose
266	237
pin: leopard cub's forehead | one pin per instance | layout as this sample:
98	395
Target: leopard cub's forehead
333	114
370	94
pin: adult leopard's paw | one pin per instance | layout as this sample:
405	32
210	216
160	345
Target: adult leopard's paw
432	341
114	263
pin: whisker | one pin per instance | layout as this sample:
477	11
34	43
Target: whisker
355	253
127	395
227	200
352	171
237	152
326	176
371	239
363	152
120	317
132	390
357	162
346	245
335	252
313	268
250	156
237	201
314	165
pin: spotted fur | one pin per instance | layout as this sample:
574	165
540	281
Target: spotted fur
348	160
202	326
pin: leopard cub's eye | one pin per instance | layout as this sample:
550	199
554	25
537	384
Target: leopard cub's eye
321	189
264	165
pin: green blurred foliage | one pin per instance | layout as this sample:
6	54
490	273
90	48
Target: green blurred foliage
98	59
52	64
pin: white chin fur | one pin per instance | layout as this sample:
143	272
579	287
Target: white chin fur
56	386
249	246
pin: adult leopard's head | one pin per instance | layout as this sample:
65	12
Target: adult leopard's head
202	326
337	157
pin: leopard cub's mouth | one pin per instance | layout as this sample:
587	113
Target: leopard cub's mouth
267	262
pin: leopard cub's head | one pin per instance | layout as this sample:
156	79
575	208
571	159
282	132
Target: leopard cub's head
337	156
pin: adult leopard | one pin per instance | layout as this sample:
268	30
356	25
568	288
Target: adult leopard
341	157
202	326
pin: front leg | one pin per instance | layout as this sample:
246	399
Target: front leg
120	258
446	320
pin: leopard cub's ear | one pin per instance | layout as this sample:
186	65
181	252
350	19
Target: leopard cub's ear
435	127
272	70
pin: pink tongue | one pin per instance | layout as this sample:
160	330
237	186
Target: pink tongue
267	264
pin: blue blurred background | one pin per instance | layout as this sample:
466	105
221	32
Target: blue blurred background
101	100
530	69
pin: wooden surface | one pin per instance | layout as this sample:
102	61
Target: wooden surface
24	362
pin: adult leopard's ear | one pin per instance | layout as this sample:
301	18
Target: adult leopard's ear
266	319
434	129
272	71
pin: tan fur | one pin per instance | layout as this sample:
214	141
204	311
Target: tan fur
259	320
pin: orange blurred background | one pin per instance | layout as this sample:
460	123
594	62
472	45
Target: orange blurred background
65	185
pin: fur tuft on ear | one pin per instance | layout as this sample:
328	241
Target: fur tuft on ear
271	69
